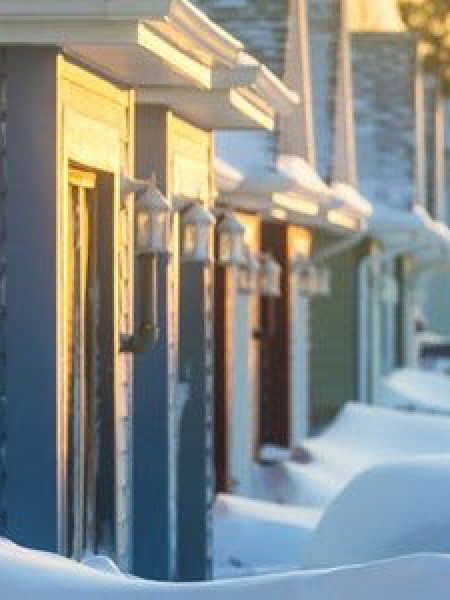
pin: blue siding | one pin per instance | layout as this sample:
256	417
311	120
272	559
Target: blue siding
151	522
31	490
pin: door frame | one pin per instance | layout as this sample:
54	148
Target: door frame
94	146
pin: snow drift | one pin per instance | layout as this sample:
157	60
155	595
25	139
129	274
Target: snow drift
387	511
38	576
413	389
360	437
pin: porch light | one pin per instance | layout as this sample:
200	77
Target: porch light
249	274
323	281
306	280
152	223
197	225
152	240
313	280
269	276
231	241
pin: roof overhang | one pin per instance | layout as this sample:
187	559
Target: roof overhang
413	229
292	192
165	44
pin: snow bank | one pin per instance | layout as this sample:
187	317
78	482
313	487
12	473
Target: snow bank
242	528
389	510
38	576
413	389
360	437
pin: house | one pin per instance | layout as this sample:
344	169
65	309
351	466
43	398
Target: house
273	185
108	109
400	161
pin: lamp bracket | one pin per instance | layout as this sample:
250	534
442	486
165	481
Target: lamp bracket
137	343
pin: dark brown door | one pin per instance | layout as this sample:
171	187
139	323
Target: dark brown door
274	413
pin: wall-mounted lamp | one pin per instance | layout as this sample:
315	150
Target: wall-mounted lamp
269	276
313	280
231	241
152	240
197	223
248	275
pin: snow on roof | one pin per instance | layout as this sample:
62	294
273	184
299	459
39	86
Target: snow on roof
226	177
38	576
386	220
351	198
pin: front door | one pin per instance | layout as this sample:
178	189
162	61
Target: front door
90	398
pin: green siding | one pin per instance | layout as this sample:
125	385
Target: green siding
333	352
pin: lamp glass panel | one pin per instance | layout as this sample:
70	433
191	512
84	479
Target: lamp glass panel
225	247
143	231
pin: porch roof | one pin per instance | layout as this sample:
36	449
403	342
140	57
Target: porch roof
414	229
292	191
167	49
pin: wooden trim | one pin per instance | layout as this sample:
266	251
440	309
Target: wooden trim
95	131
83	179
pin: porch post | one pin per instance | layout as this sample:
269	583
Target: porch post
153	551
31	330
195	457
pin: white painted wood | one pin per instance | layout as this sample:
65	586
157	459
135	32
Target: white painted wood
241	421
299	394
363	354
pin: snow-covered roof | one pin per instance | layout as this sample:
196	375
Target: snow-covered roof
294	189
419	231
351	198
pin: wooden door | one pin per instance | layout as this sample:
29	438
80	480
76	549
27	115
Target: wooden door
90	382
274	408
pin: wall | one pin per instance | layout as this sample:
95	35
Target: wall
333	335
57	113
190	154
3	308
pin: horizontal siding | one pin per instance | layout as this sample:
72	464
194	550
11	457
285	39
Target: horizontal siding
333	334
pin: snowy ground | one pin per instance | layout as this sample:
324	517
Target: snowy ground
414	389
32	575
291	498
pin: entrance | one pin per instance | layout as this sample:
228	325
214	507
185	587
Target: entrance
90	457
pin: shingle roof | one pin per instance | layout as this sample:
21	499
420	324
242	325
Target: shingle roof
260	24
383	77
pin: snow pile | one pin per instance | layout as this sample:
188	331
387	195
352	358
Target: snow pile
242	528
38	576
387	511
360	437
413	389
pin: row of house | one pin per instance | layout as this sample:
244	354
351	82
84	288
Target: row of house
175	300
369	137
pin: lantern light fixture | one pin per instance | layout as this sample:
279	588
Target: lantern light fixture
152	243
152	223
313	280
231	241
197	222
248	276
269	276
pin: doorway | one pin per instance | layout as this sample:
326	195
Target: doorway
90	456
